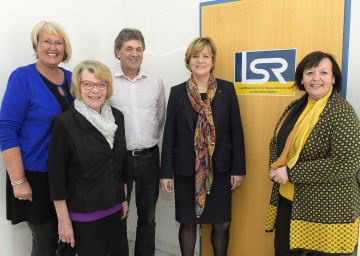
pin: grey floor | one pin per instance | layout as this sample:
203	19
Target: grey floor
157	253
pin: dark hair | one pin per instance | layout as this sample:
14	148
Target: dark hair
312	60
128	34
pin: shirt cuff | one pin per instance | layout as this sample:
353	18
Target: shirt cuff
288	172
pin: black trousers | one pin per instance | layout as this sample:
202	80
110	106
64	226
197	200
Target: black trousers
44	238
282	232
282	229
144	170
45	241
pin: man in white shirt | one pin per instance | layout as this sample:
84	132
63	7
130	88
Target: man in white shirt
140	96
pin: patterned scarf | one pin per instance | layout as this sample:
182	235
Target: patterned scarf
204	141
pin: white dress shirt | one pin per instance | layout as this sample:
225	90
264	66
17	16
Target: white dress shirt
142	101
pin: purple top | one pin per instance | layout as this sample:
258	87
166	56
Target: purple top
91	216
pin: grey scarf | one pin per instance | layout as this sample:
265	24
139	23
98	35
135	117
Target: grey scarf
104	122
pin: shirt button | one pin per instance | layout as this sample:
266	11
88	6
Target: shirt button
110	160
111	175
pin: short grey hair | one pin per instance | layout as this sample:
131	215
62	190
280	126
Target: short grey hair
128	34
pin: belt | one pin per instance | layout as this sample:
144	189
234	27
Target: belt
142	151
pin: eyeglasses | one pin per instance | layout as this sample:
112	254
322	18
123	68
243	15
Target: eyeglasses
87	85
49	43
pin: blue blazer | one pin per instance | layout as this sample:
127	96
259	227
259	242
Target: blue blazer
178	153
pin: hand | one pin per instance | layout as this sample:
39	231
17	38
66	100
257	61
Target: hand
166	185
235	181
281	175
23	191
125	209
66	233
272	174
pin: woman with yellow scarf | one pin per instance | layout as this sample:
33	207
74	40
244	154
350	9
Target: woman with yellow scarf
314	160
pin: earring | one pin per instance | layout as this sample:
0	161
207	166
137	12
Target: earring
36	55
302	83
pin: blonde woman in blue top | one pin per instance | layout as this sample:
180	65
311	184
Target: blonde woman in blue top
34	95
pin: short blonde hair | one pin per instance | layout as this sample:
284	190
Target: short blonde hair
101	72
55	29
196	46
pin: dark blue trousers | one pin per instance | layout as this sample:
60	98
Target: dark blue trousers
144	171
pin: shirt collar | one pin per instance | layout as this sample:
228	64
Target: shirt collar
119	73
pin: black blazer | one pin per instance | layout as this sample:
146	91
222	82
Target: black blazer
178	153
83	169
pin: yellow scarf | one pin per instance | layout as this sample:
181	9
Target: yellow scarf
297	139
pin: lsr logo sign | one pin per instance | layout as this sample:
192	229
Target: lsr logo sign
269	72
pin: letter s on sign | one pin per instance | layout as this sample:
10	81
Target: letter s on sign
276	71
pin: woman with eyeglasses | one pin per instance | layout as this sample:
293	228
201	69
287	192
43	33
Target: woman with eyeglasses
86	171
34	95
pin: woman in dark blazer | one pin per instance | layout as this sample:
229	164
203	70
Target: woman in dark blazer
203	149
86	174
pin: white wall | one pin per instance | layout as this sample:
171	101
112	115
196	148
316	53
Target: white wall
168	27
353	88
